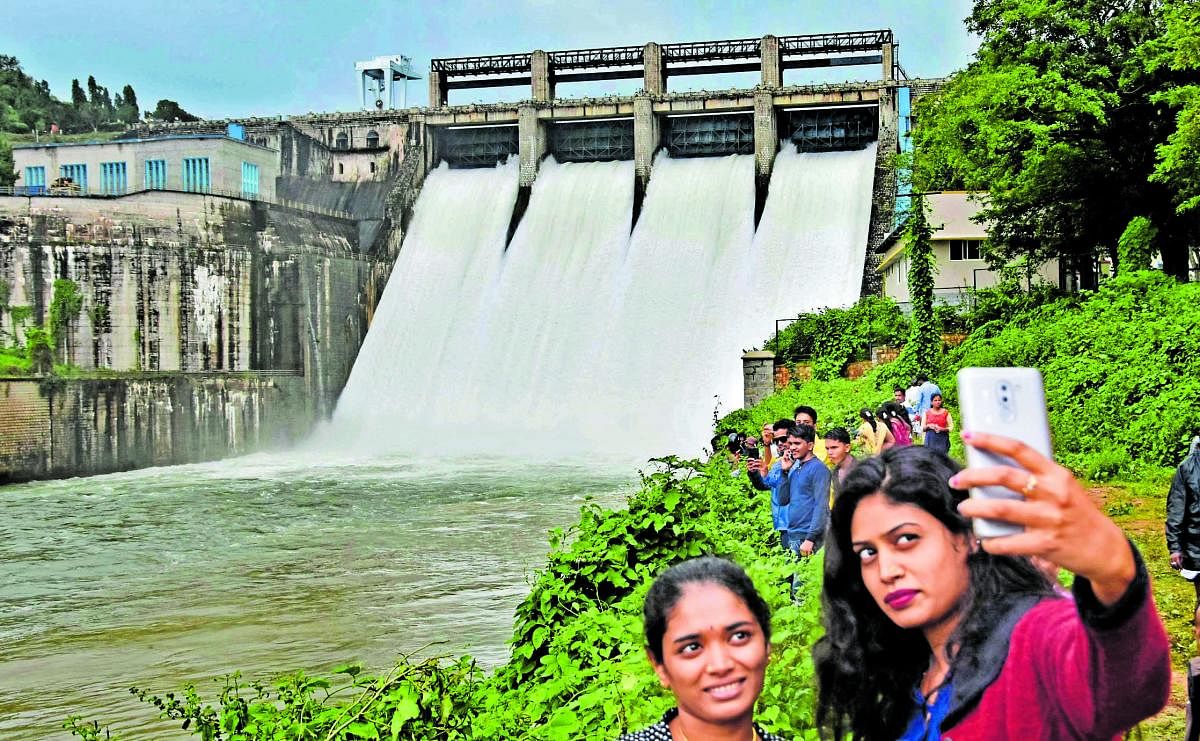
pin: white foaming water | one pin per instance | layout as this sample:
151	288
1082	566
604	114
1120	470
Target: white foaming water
582	338
814	228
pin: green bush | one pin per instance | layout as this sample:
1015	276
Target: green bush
1122	369
832	338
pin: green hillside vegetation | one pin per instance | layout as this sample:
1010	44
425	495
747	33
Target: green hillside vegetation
28	111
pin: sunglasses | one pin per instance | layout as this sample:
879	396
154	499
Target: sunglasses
779	439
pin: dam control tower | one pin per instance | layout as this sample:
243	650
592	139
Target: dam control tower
377	78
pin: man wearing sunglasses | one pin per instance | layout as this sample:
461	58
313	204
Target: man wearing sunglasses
760	471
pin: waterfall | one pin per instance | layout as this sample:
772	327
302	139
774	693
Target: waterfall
582	338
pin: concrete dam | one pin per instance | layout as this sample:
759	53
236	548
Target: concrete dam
556	268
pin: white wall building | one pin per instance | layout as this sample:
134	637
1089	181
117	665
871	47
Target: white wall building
956	246
191	163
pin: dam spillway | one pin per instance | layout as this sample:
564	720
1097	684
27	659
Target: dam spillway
583	337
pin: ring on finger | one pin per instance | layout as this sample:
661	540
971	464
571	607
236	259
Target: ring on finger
1030	484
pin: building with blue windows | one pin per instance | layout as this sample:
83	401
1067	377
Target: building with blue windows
218	164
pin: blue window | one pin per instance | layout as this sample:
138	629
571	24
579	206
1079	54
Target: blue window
196	177
35	180
249	180
156	174
77	173
114	180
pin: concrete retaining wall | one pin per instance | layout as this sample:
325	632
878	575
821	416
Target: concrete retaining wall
60	428
190	283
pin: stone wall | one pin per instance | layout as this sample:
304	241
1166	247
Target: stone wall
192	283
58	428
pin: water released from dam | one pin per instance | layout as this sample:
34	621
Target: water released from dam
497	389
582	337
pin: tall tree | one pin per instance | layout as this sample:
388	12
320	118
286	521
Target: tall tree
1056	119
1179	51
78	98
129	113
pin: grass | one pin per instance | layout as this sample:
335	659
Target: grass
88	136
1140	508
13	362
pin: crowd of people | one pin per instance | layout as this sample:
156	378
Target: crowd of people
930	632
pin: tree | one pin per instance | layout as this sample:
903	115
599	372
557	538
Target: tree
169	110
8	170
128	111
925	340
78	99
1056	119
1179	50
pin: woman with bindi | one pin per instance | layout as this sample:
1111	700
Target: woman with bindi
933	634
708	635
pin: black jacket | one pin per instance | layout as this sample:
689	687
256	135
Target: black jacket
1183	511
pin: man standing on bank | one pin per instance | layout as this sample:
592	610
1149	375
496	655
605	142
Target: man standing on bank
1183	517
807	492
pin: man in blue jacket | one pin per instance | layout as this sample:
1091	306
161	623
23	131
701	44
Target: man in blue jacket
755	469
807	491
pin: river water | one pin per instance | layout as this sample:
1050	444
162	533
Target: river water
263	564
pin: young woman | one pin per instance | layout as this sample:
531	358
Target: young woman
708	635
874	434
897	421
931	634
937	424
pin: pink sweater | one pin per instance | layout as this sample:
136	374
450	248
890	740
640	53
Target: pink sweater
1073	670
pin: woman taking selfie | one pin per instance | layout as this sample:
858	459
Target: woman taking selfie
931	634
707	635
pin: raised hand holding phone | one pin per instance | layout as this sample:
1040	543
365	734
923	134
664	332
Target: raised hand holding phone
1056	518
1022	502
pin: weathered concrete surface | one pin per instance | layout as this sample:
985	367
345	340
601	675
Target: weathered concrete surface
59	428
191	283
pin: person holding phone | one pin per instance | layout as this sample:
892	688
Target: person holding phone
708	636
931	633
937	423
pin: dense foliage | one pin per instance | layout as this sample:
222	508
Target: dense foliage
834	337
578	662
27	105
1121	365
1066	112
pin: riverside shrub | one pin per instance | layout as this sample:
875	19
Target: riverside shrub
1122	369
832	338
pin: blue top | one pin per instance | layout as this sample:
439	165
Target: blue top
920	730
807	499
776	481
925	401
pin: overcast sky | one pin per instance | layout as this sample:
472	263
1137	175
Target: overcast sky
221	58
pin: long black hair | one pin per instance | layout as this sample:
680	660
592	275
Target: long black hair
668	588
866	665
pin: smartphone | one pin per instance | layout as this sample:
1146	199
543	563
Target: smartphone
751	452
1009	402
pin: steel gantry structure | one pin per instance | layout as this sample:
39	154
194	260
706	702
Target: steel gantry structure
655	62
